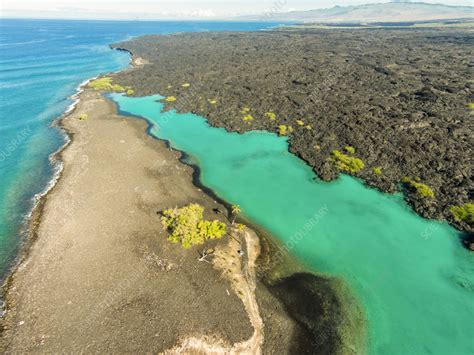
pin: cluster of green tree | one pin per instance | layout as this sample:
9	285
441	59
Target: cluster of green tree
187	226
463	213
422	190
106	84
347	162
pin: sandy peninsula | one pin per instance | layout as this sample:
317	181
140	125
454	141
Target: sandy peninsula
101	275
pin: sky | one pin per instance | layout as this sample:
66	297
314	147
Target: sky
167	9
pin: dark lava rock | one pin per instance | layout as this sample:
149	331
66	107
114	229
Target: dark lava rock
399	97
469	242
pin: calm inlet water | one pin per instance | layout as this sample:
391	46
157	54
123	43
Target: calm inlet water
412	276
41	64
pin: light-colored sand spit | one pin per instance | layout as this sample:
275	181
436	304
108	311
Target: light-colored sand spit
101	276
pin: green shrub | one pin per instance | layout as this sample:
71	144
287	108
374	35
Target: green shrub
347	163
350	150
282	130
187	227
105	84
270	115
170	99
463	213
117	88
422	190
377	170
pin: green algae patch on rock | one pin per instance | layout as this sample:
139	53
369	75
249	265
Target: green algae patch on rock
347	163
463	213
187	226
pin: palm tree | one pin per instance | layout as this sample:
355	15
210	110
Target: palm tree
235	211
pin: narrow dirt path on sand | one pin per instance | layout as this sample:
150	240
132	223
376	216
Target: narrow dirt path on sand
240	270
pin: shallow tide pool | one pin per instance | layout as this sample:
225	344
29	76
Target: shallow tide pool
412	277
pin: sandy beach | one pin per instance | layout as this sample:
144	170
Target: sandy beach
101	275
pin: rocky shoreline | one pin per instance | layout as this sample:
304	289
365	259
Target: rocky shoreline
400	98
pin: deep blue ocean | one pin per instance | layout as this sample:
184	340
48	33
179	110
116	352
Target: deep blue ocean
42	62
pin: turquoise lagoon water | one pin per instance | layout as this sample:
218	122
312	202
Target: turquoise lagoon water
41	64
412	277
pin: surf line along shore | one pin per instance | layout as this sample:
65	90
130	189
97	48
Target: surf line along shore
101	274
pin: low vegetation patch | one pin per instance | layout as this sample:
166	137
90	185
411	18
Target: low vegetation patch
284	130
421	189
346	162
463	213
170	99
105	84
271	116
350	150
377	170
187	226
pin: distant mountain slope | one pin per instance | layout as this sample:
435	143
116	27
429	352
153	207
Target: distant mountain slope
387	12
